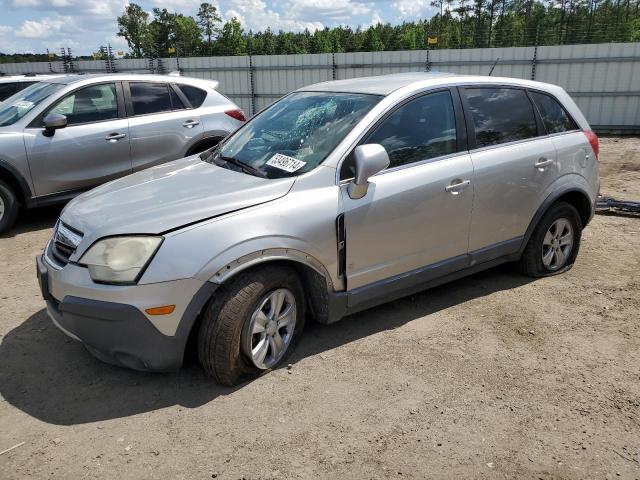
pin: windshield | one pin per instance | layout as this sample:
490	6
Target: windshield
295	134
17	106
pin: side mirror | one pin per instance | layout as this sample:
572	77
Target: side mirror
370	159
53	122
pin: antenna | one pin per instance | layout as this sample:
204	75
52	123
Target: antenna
494	65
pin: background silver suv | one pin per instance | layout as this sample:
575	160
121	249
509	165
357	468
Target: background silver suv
68	134
338	197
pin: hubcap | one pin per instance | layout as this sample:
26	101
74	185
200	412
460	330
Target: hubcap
1	208
269	331
557	244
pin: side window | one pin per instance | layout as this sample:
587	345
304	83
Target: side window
6	90
421	129
554	117
195	95
501	115
149	98
90	104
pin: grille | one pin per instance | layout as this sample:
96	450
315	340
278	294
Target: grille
64	242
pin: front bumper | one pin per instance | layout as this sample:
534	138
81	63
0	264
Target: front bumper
118	332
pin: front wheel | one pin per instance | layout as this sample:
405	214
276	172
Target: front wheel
252	325
8	207
554	243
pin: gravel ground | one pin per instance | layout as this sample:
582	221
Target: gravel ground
492	376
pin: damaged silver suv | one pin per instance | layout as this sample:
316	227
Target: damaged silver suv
340	196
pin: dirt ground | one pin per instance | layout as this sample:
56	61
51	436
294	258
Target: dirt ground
492	376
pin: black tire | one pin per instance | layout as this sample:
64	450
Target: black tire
531	263
219	337
10	206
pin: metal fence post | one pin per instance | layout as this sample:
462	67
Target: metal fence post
534	60
252	85
334	67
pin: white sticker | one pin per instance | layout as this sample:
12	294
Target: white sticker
288	164
23	104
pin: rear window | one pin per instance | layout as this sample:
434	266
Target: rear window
195	95
149	98
501	115
554	117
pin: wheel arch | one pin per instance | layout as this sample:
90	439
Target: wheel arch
15	181
575	196
316	280
208	142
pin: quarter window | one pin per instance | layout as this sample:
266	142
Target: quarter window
149	98
554	117
501	115
90	104
195	95
422	129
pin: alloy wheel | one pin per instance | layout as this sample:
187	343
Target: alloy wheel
557	244
270	329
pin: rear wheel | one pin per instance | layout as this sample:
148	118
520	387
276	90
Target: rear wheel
252	325
554	244
8	207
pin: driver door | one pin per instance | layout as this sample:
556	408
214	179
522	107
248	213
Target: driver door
92	149
417	212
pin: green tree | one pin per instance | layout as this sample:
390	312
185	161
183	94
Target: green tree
231	40
187	34
208	19
372	42
133	26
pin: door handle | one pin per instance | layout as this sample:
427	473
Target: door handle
543	162
191	123
457	187
114	137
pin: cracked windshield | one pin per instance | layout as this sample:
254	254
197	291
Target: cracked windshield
294	135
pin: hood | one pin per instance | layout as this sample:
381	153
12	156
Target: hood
167	197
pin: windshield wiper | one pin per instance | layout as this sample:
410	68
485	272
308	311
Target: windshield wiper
242	166
210	156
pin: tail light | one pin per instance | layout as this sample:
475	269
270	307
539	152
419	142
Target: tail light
239	114
593	140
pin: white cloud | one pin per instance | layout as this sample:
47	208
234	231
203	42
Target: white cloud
46	28
326	10
254	15
413	10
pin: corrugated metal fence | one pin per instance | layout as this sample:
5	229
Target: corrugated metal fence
603	78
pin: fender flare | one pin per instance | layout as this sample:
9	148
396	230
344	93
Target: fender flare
550	200
269	255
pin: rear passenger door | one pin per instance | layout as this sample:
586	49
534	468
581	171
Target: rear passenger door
161	124
514	162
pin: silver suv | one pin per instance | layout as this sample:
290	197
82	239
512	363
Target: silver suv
340	196
64	135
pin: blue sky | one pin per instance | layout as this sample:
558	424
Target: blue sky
84	25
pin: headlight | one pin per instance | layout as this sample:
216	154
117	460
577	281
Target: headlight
120	259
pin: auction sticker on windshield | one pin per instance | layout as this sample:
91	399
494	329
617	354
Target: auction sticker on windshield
288	164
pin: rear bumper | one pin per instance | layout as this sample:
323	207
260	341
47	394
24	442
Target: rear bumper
119	333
